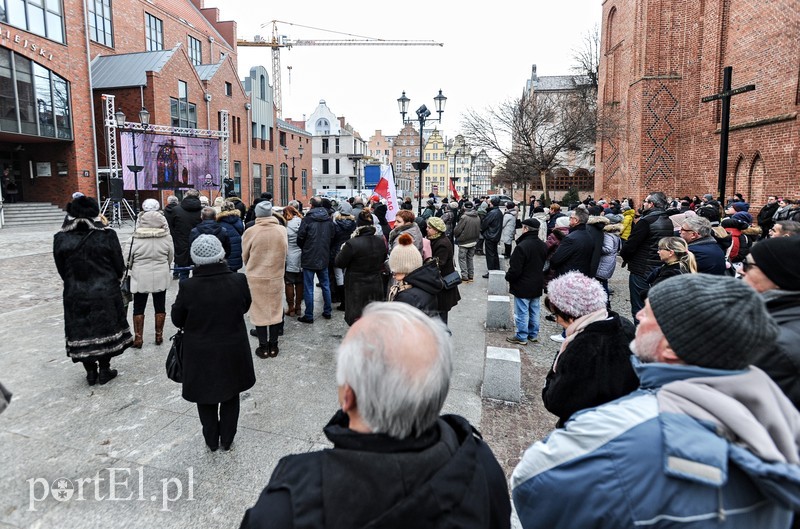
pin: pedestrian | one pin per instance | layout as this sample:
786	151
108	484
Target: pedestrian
89	260
450	218
576	250
785	228
344	224
491	230
612	244
710	259
676	260
169	211
466	234
293	277
593	364
395	463
742	235
209	226
509	231
555	214
229	219
314	237
415	283
151	251
525	278
405	223
771	270
430	209
442	251
185	217
543	217
681	432
264	249
217	364
407	204
362	257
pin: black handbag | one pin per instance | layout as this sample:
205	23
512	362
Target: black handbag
125	284
451	280
174	363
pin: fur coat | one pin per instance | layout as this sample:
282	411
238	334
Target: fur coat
264	249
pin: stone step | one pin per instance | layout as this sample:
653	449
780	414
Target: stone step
31	214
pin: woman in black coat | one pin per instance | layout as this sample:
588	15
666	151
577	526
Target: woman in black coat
89	260
416	284
442	250
362	257
217	364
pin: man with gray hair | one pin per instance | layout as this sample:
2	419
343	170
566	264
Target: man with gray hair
395	463
577	249
696	231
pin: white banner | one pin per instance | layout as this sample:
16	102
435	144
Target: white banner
387	190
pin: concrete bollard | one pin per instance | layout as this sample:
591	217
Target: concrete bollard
498	312
497	283
502	374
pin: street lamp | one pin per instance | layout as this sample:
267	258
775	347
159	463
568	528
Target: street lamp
422	116
293	178
144	118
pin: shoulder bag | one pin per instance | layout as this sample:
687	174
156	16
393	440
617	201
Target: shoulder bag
174	364
125	284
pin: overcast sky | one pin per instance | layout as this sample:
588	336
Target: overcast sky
486	57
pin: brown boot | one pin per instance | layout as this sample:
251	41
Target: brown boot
290	299
138	329
160	317
298	299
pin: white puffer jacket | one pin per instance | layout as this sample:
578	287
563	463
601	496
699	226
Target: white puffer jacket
152	254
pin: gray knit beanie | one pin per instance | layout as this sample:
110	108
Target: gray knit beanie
712	321
206	249
264	209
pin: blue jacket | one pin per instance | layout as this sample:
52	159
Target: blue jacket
233	227
637	462
709	256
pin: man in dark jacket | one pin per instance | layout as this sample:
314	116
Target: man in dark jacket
466	234
708	255
209	226
314	238
771	269
187	216
525	278
395	463
765	221
492	229
577	249
640	252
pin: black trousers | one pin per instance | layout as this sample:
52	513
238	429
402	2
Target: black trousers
140	302
219	421
268	334
492	257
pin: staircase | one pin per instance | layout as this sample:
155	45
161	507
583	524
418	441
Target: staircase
24	214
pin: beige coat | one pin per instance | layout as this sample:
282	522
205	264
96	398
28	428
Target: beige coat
264	248
152	254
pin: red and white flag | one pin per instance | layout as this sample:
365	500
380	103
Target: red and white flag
387	190
453	190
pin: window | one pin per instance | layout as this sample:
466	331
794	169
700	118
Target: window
196	52
263	137
284	184
337	145
154	33
183	113
337	165
304	181
399	152
282	138
408	152
322	127
237	177
270	179
228	89
326	166
100	29
33	16
428	156
325	146
262	88
256	191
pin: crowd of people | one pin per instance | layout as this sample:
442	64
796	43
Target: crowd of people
697	394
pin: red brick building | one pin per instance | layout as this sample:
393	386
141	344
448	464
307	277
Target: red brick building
174	58
659	58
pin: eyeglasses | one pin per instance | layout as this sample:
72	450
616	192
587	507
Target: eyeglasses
686	229
747	265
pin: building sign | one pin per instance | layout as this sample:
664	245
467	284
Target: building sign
11	38
43	169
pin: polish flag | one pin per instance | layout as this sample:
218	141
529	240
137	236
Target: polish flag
453	190
387	190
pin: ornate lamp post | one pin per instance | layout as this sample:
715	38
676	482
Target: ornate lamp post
293	178
144	118
422	117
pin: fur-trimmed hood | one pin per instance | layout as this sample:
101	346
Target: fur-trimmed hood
613	228
72	224
343	216
597	219
150	233
229	213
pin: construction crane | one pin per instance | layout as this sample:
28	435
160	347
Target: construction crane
277	42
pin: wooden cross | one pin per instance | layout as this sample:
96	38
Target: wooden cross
725	96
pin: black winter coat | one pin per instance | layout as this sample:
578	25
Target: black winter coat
525	274
665	271
186	217
442	249
782	364
641	249
343	228
362	257
211	227
234	228
446	477
90	262
595	368
217	363
169	214
765	221
492	225
574	253
709	256
314	238
420	289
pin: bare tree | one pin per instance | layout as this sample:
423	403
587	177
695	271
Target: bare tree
534	131
587	56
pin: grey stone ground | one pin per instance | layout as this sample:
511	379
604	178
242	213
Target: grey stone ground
59	427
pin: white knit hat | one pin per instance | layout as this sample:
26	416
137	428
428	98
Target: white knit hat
206	249
405	258
151	204
576	294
